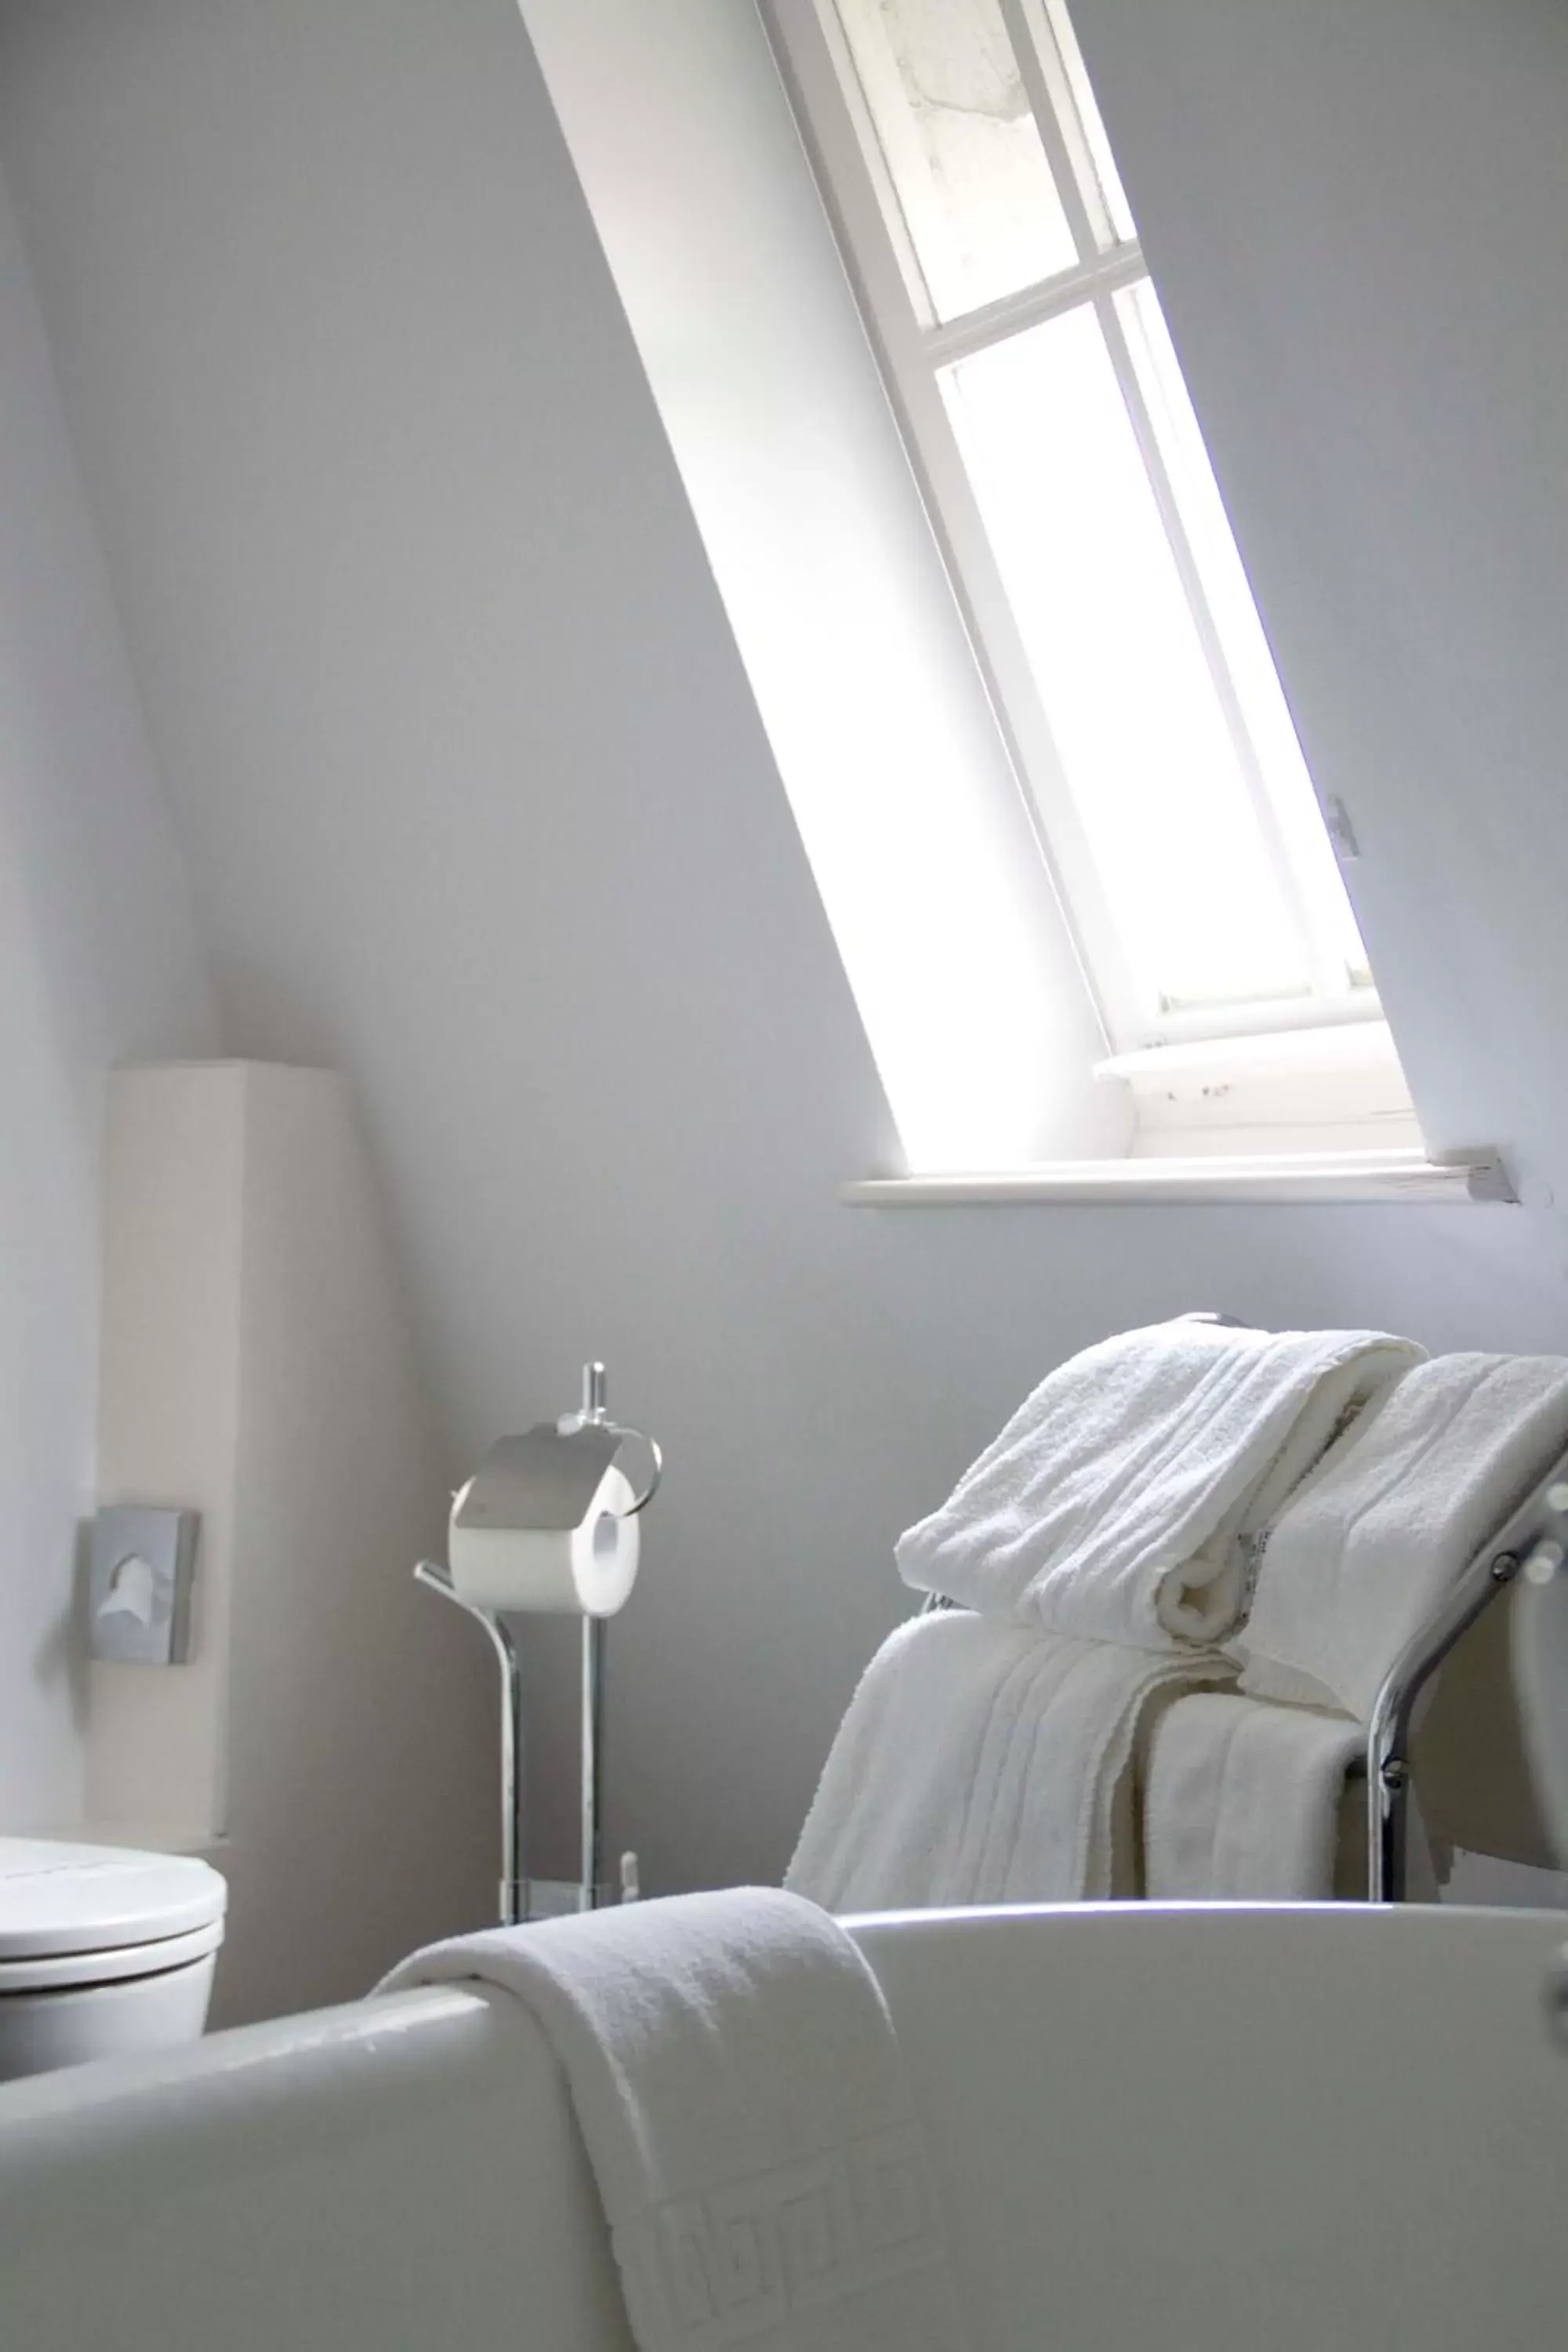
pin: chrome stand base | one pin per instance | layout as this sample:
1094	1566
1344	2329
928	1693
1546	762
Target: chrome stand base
555	1898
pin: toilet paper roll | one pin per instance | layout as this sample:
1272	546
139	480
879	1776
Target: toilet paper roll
583	1571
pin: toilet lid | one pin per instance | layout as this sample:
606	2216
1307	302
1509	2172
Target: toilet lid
57	1899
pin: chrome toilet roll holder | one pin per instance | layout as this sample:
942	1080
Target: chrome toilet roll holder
546	1479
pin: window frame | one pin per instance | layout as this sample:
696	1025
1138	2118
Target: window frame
840	140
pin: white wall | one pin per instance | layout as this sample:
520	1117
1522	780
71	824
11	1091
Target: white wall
480	810
98	962
931	869
1358	211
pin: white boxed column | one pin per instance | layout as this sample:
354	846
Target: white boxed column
330	1744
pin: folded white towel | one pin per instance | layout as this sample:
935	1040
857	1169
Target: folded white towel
981	1763
742	2096
1364	1552
1242	1801
1117	1503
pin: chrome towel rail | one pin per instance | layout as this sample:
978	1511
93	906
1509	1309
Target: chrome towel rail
1534	1543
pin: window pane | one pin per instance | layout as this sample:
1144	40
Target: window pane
1146	751
1247	648
974	189
1101	162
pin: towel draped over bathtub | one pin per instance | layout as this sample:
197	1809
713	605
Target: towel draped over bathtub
742	2096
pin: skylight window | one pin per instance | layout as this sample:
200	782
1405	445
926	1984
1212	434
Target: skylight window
1000	273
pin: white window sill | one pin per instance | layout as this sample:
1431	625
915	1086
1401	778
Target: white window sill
1302	1180
1290	1095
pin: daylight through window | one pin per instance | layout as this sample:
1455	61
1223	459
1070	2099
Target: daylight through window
997	261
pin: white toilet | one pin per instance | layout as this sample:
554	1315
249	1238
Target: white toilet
102	1950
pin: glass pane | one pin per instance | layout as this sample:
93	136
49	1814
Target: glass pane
1144	746
1101	162
974	192
1247	648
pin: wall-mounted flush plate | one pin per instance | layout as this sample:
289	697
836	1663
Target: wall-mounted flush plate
139	1588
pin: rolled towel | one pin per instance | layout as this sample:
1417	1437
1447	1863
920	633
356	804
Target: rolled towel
1242	1801
1119	1503
743	2099
1368	1548
983	1762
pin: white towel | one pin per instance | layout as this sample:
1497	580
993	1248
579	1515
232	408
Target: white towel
1117	1503
1242	1801
742	2096
981	1763
1368	1548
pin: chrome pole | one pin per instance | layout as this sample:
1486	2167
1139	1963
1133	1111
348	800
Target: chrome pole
595	1410
593	1759
513	1885
513	1888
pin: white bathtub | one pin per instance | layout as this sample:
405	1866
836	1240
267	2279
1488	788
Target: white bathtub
1286	2131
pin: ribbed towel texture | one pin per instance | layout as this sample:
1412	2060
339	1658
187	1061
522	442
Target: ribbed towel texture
1369	1547
743	2099
1306	1499
1242	1801
982	1762
1119	1502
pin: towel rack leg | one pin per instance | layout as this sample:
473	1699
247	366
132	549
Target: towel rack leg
1388	1739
